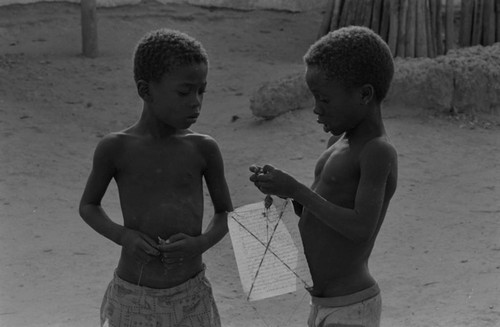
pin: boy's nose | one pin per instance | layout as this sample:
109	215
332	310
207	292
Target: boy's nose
198	99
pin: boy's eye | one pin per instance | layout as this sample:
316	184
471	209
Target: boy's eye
184	93
321	99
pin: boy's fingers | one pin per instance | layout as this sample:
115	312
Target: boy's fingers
262	178
148	249
255	169
267	169
172	244
149	241
176	237
153	252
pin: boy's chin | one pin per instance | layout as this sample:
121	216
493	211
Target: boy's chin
328	129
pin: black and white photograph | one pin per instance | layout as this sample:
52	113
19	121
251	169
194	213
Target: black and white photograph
250	163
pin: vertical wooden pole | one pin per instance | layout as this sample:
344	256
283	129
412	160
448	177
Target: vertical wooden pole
421	47
377	9
337	9
497	13
393	26
411	23
403	11
439	28
358	13
385	20
324	28
477	25
367	15
344	14
429	31
449	32
89	28
489	22
351	15
466	14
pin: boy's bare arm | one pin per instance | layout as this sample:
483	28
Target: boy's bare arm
219	193
357	224
103	170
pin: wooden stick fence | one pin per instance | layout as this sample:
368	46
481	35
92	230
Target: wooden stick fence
419	28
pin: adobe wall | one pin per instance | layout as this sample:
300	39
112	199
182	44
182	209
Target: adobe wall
467	80
288	5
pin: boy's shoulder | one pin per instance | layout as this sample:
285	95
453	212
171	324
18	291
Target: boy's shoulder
195	136
113	139
380	143
199	138
379	149
113	143
205	143
117	141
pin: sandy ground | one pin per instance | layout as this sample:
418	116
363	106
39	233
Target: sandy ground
437	258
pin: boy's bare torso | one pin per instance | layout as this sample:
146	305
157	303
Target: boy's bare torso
161	194
338	266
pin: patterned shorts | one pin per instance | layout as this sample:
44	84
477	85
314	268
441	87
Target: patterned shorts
361	309
190	304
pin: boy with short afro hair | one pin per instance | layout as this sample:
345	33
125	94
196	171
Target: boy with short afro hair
369	60
159	165
161	51
349	72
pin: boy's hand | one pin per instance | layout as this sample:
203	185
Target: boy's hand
270	180
255	169
179	247
140	246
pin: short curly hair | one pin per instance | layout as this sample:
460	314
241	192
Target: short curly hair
160	51
354	56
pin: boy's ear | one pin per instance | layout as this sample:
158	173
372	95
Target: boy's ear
143	90
367	93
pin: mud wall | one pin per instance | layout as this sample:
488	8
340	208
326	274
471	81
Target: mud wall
288	5
467	80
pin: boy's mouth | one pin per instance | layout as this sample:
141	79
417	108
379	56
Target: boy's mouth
326	128
192	118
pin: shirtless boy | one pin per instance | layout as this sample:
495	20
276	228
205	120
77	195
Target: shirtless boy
349	72
159	165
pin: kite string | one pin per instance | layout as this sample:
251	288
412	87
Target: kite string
263	256
266	215
271	251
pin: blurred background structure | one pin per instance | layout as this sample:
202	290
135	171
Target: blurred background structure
419	28
288	5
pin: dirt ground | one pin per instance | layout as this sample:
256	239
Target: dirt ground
437	258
